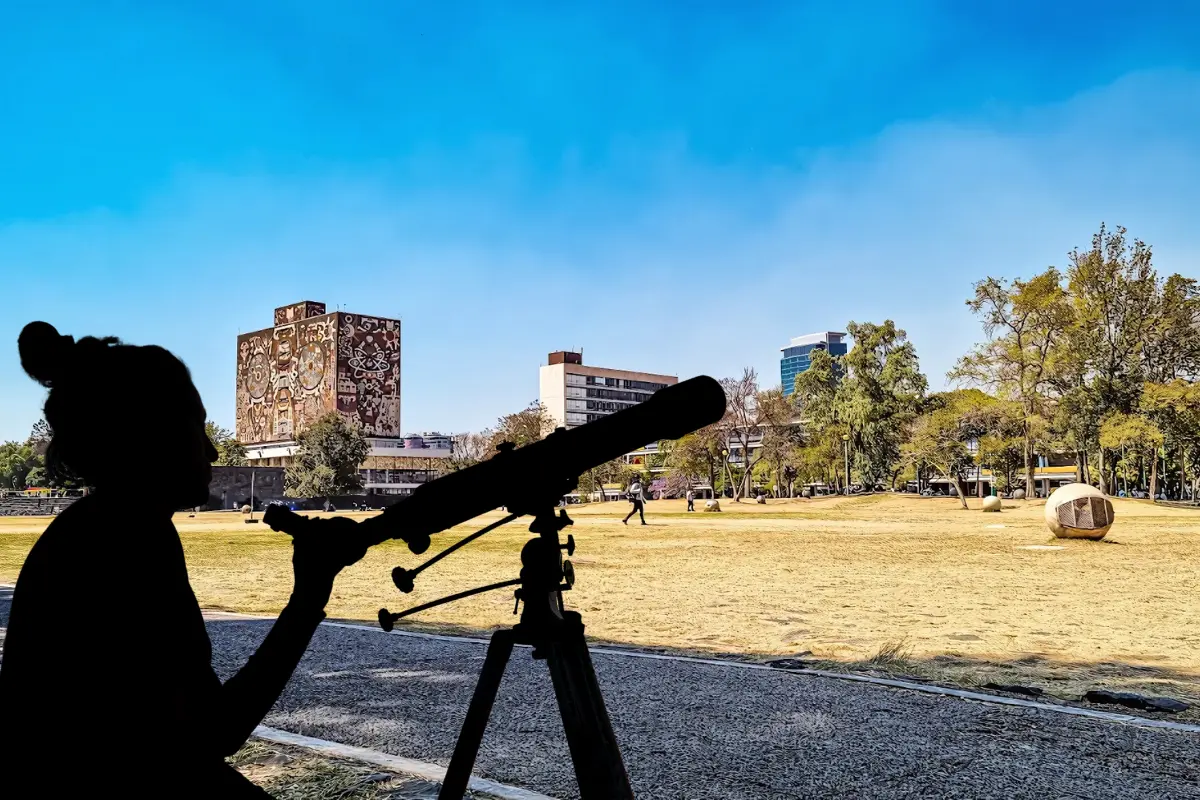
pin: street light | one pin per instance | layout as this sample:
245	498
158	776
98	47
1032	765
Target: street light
846	447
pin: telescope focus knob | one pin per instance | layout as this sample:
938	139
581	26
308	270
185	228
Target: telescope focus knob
403	579
569	546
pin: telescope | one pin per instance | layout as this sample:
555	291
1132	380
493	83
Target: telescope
531	481
520	479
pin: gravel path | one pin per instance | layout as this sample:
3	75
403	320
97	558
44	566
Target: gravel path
697	731
692	730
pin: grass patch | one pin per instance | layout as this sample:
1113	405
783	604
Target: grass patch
901	585
293	773
892	656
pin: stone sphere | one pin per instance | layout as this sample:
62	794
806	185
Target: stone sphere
1078	511
712	505
991	503
1019	494
245	509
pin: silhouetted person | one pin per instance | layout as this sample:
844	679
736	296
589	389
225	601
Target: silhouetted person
691	498
106	682
639	501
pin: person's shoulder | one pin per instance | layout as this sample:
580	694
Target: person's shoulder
91	527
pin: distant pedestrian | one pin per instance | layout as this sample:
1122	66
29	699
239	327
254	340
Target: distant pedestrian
691	498
639	501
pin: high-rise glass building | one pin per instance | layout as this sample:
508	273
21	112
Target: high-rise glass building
798	352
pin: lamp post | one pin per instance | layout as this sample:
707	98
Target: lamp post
846	448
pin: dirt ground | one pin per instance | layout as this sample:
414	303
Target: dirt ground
901	584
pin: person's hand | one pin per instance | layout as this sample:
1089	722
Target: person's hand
319	552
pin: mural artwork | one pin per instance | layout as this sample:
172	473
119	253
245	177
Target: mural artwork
298	311
290	375
368	382
285	379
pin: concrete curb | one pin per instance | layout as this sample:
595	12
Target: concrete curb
406	766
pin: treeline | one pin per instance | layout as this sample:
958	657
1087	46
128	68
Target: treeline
29	464
1097	361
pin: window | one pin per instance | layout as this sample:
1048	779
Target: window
613	394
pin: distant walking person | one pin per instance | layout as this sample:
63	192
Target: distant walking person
638	499
75	659
691	498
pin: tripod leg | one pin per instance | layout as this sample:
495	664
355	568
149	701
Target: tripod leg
458	774
599	768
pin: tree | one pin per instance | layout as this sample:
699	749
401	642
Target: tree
469	449
1026	323
1175	410
37	477
524	427
39	438
822	457
16	461
594	480
779	445
695	457
230	452
871	395
941	438
879	396
748	413
1113	291
1172	349
328	456
1136	433
1004	456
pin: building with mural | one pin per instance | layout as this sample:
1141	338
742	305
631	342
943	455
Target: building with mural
311	363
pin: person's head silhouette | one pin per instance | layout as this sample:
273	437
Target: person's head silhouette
107	397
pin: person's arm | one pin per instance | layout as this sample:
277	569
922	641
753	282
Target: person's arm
246	698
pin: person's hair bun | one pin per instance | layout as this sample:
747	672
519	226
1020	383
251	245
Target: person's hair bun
44	352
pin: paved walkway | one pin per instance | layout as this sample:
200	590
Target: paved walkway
692	730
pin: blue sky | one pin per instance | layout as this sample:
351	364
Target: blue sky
675	187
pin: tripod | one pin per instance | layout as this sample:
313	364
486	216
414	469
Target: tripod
556	636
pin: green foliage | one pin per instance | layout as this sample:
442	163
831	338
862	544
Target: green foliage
872	394
17	460
527	426
1087	354
1113	290
615	471
37	477
1027	324
941	437
1128	431
695	457
230	452
328	456
1172	349
1175	405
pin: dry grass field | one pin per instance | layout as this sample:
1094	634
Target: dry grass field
895	583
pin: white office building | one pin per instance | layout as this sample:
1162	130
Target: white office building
575	394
